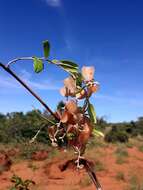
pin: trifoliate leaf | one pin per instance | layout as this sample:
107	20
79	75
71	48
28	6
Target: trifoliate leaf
38	65
46	47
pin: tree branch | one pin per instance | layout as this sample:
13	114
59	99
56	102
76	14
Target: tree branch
7	69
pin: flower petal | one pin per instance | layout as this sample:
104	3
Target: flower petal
88	73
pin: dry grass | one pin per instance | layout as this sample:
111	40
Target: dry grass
120	176
85	182
121	155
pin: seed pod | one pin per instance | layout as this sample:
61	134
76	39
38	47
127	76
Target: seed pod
86	132
65	117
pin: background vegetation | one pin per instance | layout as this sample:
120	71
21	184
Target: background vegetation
18	127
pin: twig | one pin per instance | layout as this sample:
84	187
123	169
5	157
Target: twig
43	116
33	139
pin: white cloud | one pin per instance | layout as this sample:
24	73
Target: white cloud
54	3
25	74
7	82
45	85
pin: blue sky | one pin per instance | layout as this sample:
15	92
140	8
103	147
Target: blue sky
106	34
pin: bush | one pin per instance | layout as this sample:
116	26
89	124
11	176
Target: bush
120	176
116	135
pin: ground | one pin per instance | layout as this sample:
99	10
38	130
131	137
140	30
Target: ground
118	167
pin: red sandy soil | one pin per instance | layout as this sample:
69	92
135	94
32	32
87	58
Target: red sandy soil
48	176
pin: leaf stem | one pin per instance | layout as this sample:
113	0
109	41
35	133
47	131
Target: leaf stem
27	58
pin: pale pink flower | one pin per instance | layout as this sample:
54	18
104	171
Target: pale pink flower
69	88
88	73
63	91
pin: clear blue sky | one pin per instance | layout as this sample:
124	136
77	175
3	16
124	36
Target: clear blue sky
106	34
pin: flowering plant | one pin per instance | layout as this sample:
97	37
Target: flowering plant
74	123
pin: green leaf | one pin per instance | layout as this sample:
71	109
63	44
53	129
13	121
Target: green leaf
97	133
38	65
69	64
70	70
92	113
46	47
79	79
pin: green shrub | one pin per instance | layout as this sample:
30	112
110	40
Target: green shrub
120	176
140	148
116	135
99	166
129	145
135	184
20	184
120	160
120	151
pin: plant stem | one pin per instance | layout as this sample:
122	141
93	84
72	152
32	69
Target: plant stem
27	58
7	69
